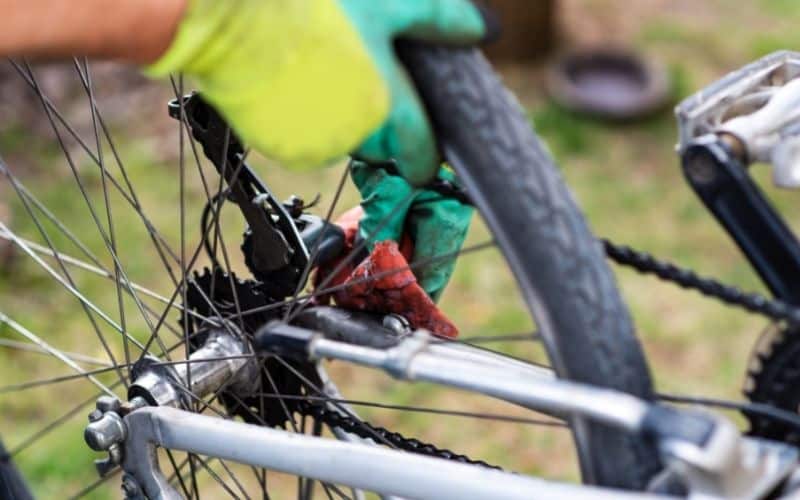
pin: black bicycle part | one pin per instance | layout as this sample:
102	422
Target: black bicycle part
284	391
225	291
12	484
645	263
773	378
353	327
722	182
725	187
273	248
364	430
663	424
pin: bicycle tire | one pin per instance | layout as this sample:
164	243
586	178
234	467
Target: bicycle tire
559	266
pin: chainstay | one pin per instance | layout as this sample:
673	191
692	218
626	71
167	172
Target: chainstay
645	263
623	255
364	430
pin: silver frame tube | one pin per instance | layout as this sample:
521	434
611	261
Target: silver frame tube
534	389
370	468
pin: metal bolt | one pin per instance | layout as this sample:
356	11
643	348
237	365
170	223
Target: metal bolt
701	169
107	403
95	415
105	432
397	324
104	466
132	405
778	78
130	487
115	454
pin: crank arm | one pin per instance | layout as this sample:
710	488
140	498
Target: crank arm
725	187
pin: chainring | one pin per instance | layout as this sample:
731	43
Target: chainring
281	383
773	378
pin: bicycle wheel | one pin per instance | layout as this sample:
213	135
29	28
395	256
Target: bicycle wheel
119	266
559	265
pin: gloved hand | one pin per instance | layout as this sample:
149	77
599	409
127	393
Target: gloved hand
437	225
308	81
413	238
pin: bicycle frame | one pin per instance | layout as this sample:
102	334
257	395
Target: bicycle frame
710	455
369	468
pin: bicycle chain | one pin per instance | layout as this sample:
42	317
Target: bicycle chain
774	309
381	435
645	263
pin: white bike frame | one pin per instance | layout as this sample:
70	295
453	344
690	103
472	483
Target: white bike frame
721	464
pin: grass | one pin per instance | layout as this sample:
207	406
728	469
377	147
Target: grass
626	177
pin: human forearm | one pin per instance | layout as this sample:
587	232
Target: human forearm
134	30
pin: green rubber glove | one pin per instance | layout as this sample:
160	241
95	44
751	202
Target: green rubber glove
438	225
308	81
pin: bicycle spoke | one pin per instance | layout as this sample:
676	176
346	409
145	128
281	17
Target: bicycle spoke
190	265
64	282
234	479
301	481
182	229
328	492
86	79
56	380
67	278
103	480
215	477
772	412
54	220
54	352
36	436
106	274
193	474
355	252
131	197
177	473
418	409
308	490
216	207
90	206
315	249
23	346
118	270
332	487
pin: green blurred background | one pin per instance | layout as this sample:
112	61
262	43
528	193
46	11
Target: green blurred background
626	178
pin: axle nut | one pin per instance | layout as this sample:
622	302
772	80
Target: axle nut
102	434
